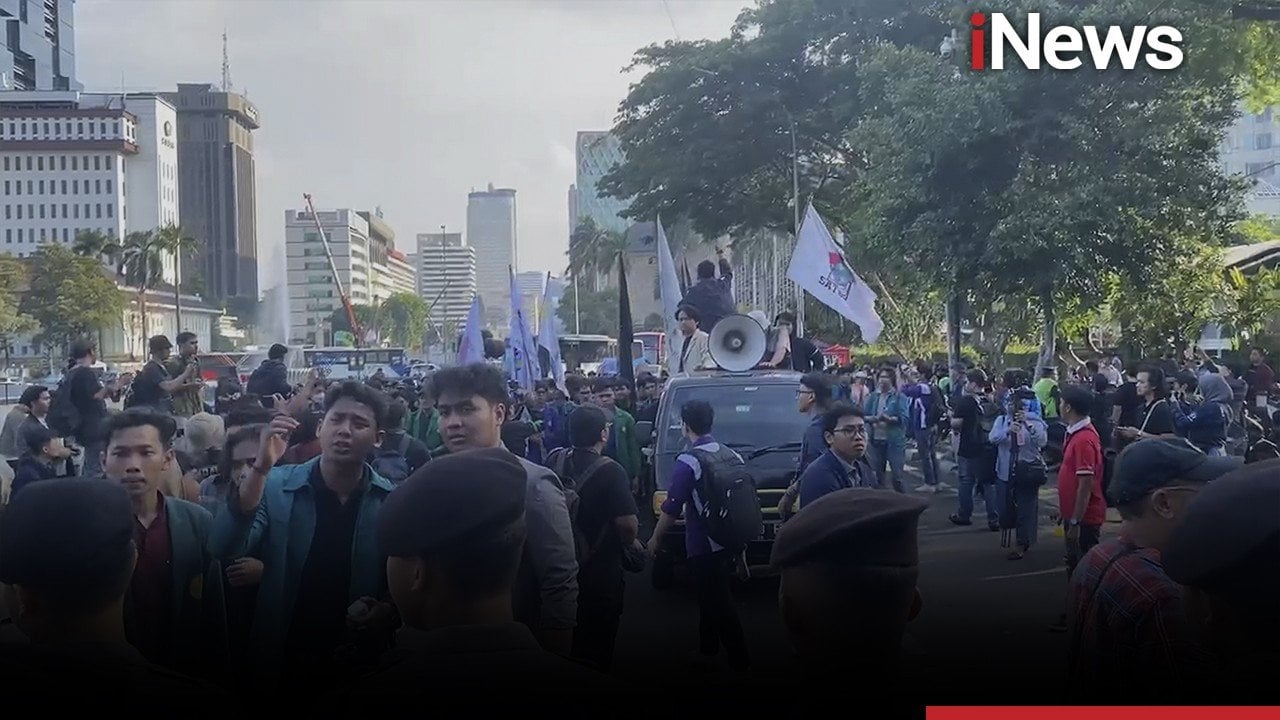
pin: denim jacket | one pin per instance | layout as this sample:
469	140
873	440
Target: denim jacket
895	404
280	535
1033	442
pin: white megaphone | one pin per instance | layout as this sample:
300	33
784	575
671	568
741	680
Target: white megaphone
736	343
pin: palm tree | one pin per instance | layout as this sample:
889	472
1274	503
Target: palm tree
139	258
592	250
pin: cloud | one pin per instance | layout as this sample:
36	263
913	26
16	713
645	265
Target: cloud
403	104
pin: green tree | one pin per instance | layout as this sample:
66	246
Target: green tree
139	258
368	317
1170	310
592	249
246	311
70	296
1252	301
13	323
598	312
404	318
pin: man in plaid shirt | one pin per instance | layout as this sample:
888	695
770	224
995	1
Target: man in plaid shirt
1128	632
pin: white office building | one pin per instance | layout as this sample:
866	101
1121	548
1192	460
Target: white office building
82	161
37	45
446	279
404	278
1251	148
313	294
491	230
531	285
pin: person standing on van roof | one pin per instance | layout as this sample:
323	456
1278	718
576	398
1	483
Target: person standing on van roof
712	297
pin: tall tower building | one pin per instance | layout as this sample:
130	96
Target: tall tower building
218	190
597	152
446	280
313	294
491	230
38	45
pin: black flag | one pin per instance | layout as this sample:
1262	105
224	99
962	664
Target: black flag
626	368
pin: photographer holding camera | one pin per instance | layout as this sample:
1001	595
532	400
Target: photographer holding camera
1020	435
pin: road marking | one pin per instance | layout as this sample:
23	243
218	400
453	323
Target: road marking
1033	573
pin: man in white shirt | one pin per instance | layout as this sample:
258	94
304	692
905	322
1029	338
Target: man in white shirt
688	350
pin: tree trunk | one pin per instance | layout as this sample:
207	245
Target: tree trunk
1049	336
142	312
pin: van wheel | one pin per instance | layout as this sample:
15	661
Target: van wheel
662	575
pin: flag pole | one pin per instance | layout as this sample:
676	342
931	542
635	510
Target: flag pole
795	203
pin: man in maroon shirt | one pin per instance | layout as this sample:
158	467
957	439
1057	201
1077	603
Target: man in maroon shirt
1128	631
174	604
1262	378
1080	501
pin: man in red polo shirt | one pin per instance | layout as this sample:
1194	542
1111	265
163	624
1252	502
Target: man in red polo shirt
1080	501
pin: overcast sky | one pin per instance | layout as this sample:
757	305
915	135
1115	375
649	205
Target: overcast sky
403	104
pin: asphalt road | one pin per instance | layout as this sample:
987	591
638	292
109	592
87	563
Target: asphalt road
984	620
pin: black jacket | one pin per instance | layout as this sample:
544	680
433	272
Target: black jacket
271	378
712	298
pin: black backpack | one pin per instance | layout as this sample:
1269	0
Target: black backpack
730	505
935	408
391	463
558	461
64	416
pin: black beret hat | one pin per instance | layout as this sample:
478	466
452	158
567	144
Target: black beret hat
452	497
64	534
855	526
1228	543
1152	464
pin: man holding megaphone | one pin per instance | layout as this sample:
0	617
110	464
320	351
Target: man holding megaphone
688	349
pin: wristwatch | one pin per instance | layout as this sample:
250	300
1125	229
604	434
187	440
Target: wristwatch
1072	522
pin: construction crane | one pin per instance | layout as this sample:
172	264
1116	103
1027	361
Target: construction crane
356	330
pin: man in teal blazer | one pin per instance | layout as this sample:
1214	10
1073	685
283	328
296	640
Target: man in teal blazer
323	588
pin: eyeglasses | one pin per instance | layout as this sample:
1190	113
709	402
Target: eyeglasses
852	430
803	392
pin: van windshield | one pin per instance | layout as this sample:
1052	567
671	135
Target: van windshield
747	418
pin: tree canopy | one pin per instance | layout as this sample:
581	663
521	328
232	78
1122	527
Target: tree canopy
1044	189
70	296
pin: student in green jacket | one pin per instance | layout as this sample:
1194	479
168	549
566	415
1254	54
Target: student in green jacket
623	445
175	613
424	425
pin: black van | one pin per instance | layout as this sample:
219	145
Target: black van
755	414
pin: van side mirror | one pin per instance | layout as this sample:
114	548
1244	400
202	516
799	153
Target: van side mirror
644	433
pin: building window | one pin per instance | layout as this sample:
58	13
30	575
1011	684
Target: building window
97	162
8	212
44	235
110	210
8	236
6	187
64	211
108	165
75	162
98	210
102	127
17	187
1262	141
109	191
46	128
40	163
30	186
64	230
41	211
28	163
19	211
63	163
76	208
115	127
97	187
64	185
41	186
6	162
19	234
80	128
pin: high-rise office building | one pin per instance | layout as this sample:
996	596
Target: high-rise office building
218	190
597	153
382	240
531	285
446	279
38	45
404	276
1251	147
66	159
313	295
491	230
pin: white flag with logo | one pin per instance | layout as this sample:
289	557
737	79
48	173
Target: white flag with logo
818	266
549	339
668	285
471	346
524	351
